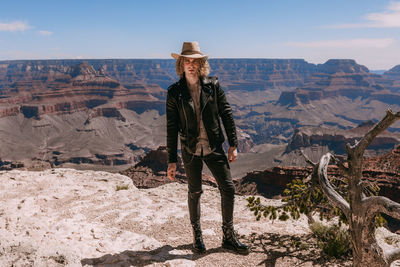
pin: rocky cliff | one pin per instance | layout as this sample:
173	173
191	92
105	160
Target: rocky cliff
242	74
76	88
393	73
151	171
336	140
110	104
340	94
338	78
383	169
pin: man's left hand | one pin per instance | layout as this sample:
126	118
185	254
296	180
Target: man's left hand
232	154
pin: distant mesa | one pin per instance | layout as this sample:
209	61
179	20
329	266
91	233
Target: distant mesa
341	65
393	73
336	140
39	89
340	78
394	76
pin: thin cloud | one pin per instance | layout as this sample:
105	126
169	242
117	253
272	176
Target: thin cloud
352	43
390	18
14	26
45	33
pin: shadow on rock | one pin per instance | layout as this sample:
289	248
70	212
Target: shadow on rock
142	258
302	249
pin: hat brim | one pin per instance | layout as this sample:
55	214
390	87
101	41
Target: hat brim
176	56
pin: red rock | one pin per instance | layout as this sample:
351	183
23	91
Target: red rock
78	88
336	140
151	170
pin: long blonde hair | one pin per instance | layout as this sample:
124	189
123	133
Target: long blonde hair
204	67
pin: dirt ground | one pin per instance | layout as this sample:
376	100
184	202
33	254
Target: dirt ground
66	217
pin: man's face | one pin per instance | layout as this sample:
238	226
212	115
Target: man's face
191	66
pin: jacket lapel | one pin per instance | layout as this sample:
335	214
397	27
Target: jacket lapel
205	93
186	95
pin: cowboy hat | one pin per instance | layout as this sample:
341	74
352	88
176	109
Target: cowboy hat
190	50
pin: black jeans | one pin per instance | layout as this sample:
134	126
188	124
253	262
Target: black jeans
218	164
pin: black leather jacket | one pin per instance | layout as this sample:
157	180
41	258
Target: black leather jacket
181	117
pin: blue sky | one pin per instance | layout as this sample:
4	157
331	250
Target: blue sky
365	30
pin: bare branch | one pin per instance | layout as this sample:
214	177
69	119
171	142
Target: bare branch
392	255
379	204
307	159
327	187
389	119
341	166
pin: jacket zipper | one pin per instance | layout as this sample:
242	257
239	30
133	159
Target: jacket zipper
201	114
208	98
187	128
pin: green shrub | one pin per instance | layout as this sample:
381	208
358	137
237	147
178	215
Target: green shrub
305	196
334	240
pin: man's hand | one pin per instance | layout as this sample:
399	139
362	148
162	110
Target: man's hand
171	171
232	154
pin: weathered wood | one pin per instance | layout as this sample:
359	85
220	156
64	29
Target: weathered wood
327	187
374	205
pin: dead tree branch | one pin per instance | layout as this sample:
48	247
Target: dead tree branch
342	167
328	188
388	120
379	204
307	159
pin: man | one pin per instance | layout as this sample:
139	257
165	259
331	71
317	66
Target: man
195	105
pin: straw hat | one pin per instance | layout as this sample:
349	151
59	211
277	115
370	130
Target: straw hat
190	50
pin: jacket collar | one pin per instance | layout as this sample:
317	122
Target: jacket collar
206	87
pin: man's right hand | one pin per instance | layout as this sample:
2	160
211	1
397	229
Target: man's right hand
171	171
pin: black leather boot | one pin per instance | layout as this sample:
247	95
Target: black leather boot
198	244
231	242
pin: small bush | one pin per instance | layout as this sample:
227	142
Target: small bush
333	240
122	187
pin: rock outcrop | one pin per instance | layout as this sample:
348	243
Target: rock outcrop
336	140
338	78
393	73
271	182
150	171
65	217
78	88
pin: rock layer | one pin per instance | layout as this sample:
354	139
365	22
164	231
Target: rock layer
104	94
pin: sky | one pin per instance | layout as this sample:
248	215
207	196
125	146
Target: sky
315	30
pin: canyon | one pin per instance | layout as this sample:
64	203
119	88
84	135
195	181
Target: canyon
106	113
109	115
